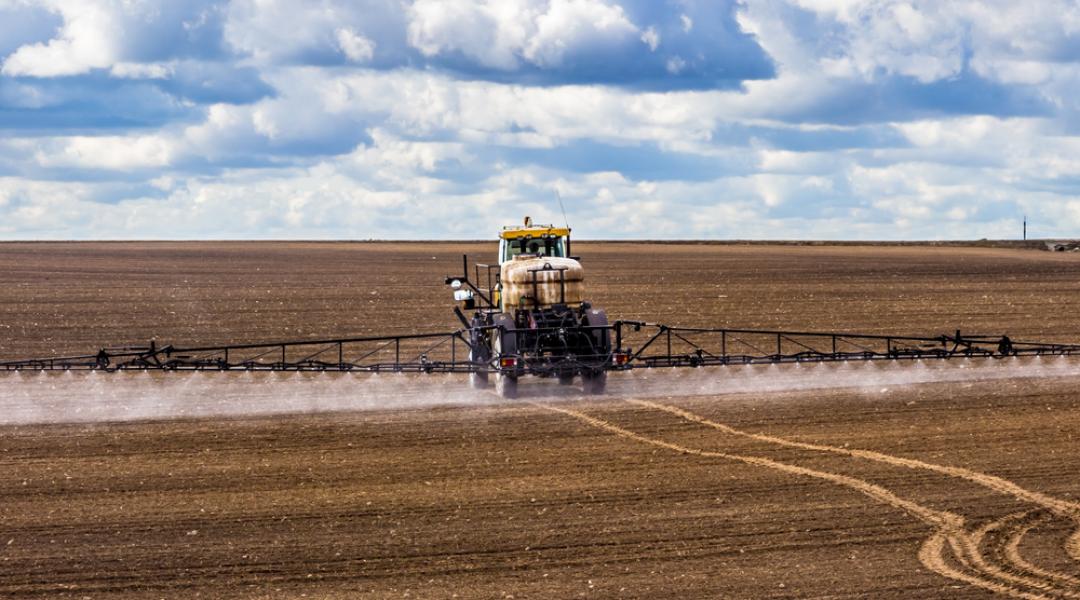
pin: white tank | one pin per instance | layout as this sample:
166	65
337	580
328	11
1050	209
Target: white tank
517	282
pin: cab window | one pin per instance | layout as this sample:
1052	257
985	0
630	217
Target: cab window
540	246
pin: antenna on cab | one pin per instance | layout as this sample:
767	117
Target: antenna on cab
562	208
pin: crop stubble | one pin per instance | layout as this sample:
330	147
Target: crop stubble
961	490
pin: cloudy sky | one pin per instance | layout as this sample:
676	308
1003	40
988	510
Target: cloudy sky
355	119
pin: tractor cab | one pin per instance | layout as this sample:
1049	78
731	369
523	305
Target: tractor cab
533	241
530	315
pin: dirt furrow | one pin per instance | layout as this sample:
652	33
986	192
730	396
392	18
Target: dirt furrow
949	525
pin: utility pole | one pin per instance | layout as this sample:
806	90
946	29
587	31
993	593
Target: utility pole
1025	228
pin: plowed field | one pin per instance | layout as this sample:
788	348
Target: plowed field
960	481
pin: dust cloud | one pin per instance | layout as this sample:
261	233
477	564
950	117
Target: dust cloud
93	397
872	375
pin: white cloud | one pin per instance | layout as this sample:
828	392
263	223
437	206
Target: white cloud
898	38
393	163
226	130
967	132
282	31
390	190
117	153
356	47
1005	70
651	38
502	34
43	209
807	163
87	40
428	104
125	70
384	151
571	24
119	35
1011	42
854	47
428	130
272	29
491	33
919	196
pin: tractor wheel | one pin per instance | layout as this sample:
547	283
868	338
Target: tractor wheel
594	383
600	338
478	380
506	386
480	356
505	345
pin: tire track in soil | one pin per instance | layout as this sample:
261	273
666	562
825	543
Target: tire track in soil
1012	530
1062	508
933	549
1021	571
948	527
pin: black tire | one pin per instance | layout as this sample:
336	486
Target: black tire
504	339
505	344
480	355
478	380
600	338
594	383
506	386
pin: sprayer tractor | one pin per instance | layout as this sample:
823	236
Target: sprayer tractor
528	315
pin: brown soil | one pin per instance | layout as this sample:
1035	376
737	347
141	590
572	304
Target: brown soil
960	490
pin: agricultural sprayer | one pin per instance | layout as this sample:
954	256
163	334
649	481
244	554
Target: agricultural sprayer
528	315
